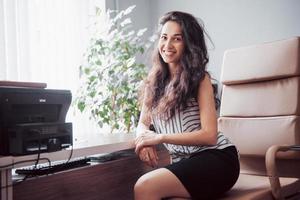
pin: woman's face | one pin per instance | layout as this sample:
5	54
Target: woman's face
171	43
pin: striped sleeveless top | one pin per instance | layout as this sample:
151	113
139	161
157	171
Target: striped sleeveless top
187	120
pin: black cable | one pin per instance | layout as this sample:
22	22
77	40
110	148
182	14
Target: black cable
37	160
26	176
65	163
40	143
35	166
39	153
39	148
71	154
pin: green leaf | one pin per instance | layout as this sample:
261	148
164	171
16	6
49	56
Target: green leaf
111	75
98	62
81	106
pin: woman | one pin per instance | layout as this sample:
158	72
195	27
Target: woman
179	102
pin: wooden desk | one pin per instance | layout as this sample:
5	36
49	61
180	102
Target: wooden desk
102	144
112	180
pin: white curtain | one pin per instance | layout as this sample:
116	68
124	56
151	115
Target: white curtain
44	41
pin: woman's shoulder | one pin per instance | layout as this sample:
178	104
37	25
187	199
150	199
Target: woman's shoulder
205	82
207	78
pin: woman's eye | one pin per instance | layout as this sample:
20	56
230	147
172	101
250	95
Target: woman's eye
177	39
163	37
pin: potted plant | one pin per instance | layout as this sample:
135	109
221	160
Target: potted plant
111	75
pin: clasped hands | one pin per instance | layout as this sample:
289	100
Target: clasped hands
145	147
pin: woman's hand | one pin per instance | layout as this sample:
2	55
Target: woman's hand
149	156
147	138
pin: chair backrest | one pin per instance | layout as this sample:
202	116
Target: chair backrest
260	104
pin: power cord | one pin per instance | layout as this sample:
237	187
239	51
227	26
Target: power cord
35	167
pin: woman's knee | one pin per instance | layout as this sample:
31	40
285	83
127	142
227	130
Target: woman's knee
144	185
158	184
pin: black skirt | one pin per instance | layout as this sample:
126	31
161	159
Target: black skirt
208	174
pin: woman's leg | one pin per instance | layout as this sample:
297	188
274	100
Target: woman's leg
158	184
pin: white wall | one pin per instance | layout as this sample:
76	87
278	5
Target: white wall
141	18
230	23
141	15
236	23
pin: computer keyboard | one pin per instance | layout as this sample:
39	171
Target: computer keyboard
43	169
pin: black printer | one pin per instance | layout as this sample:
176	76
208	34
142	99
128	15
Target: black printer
32	120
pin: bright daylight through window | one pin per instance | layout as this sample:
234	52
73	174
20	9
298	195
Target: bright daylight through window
44	41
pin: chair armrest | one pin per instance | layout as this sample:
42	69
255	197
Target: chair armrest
272	168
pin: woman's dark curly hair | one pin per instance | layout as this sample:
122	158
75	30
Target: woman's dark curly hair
164	95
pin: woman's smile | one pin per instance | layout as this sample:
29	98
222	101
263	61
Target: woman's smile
171	45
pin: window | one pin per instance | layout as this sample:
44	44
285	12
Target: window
44	41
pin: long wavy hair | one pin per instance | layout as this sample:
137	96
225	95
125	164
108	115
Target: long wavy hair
163	95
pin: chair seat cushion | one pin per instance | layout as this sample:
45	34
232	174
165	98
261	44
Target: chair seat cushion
251	187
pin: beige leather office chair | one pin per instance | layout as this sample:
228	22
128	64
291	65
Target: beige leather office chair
260	113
